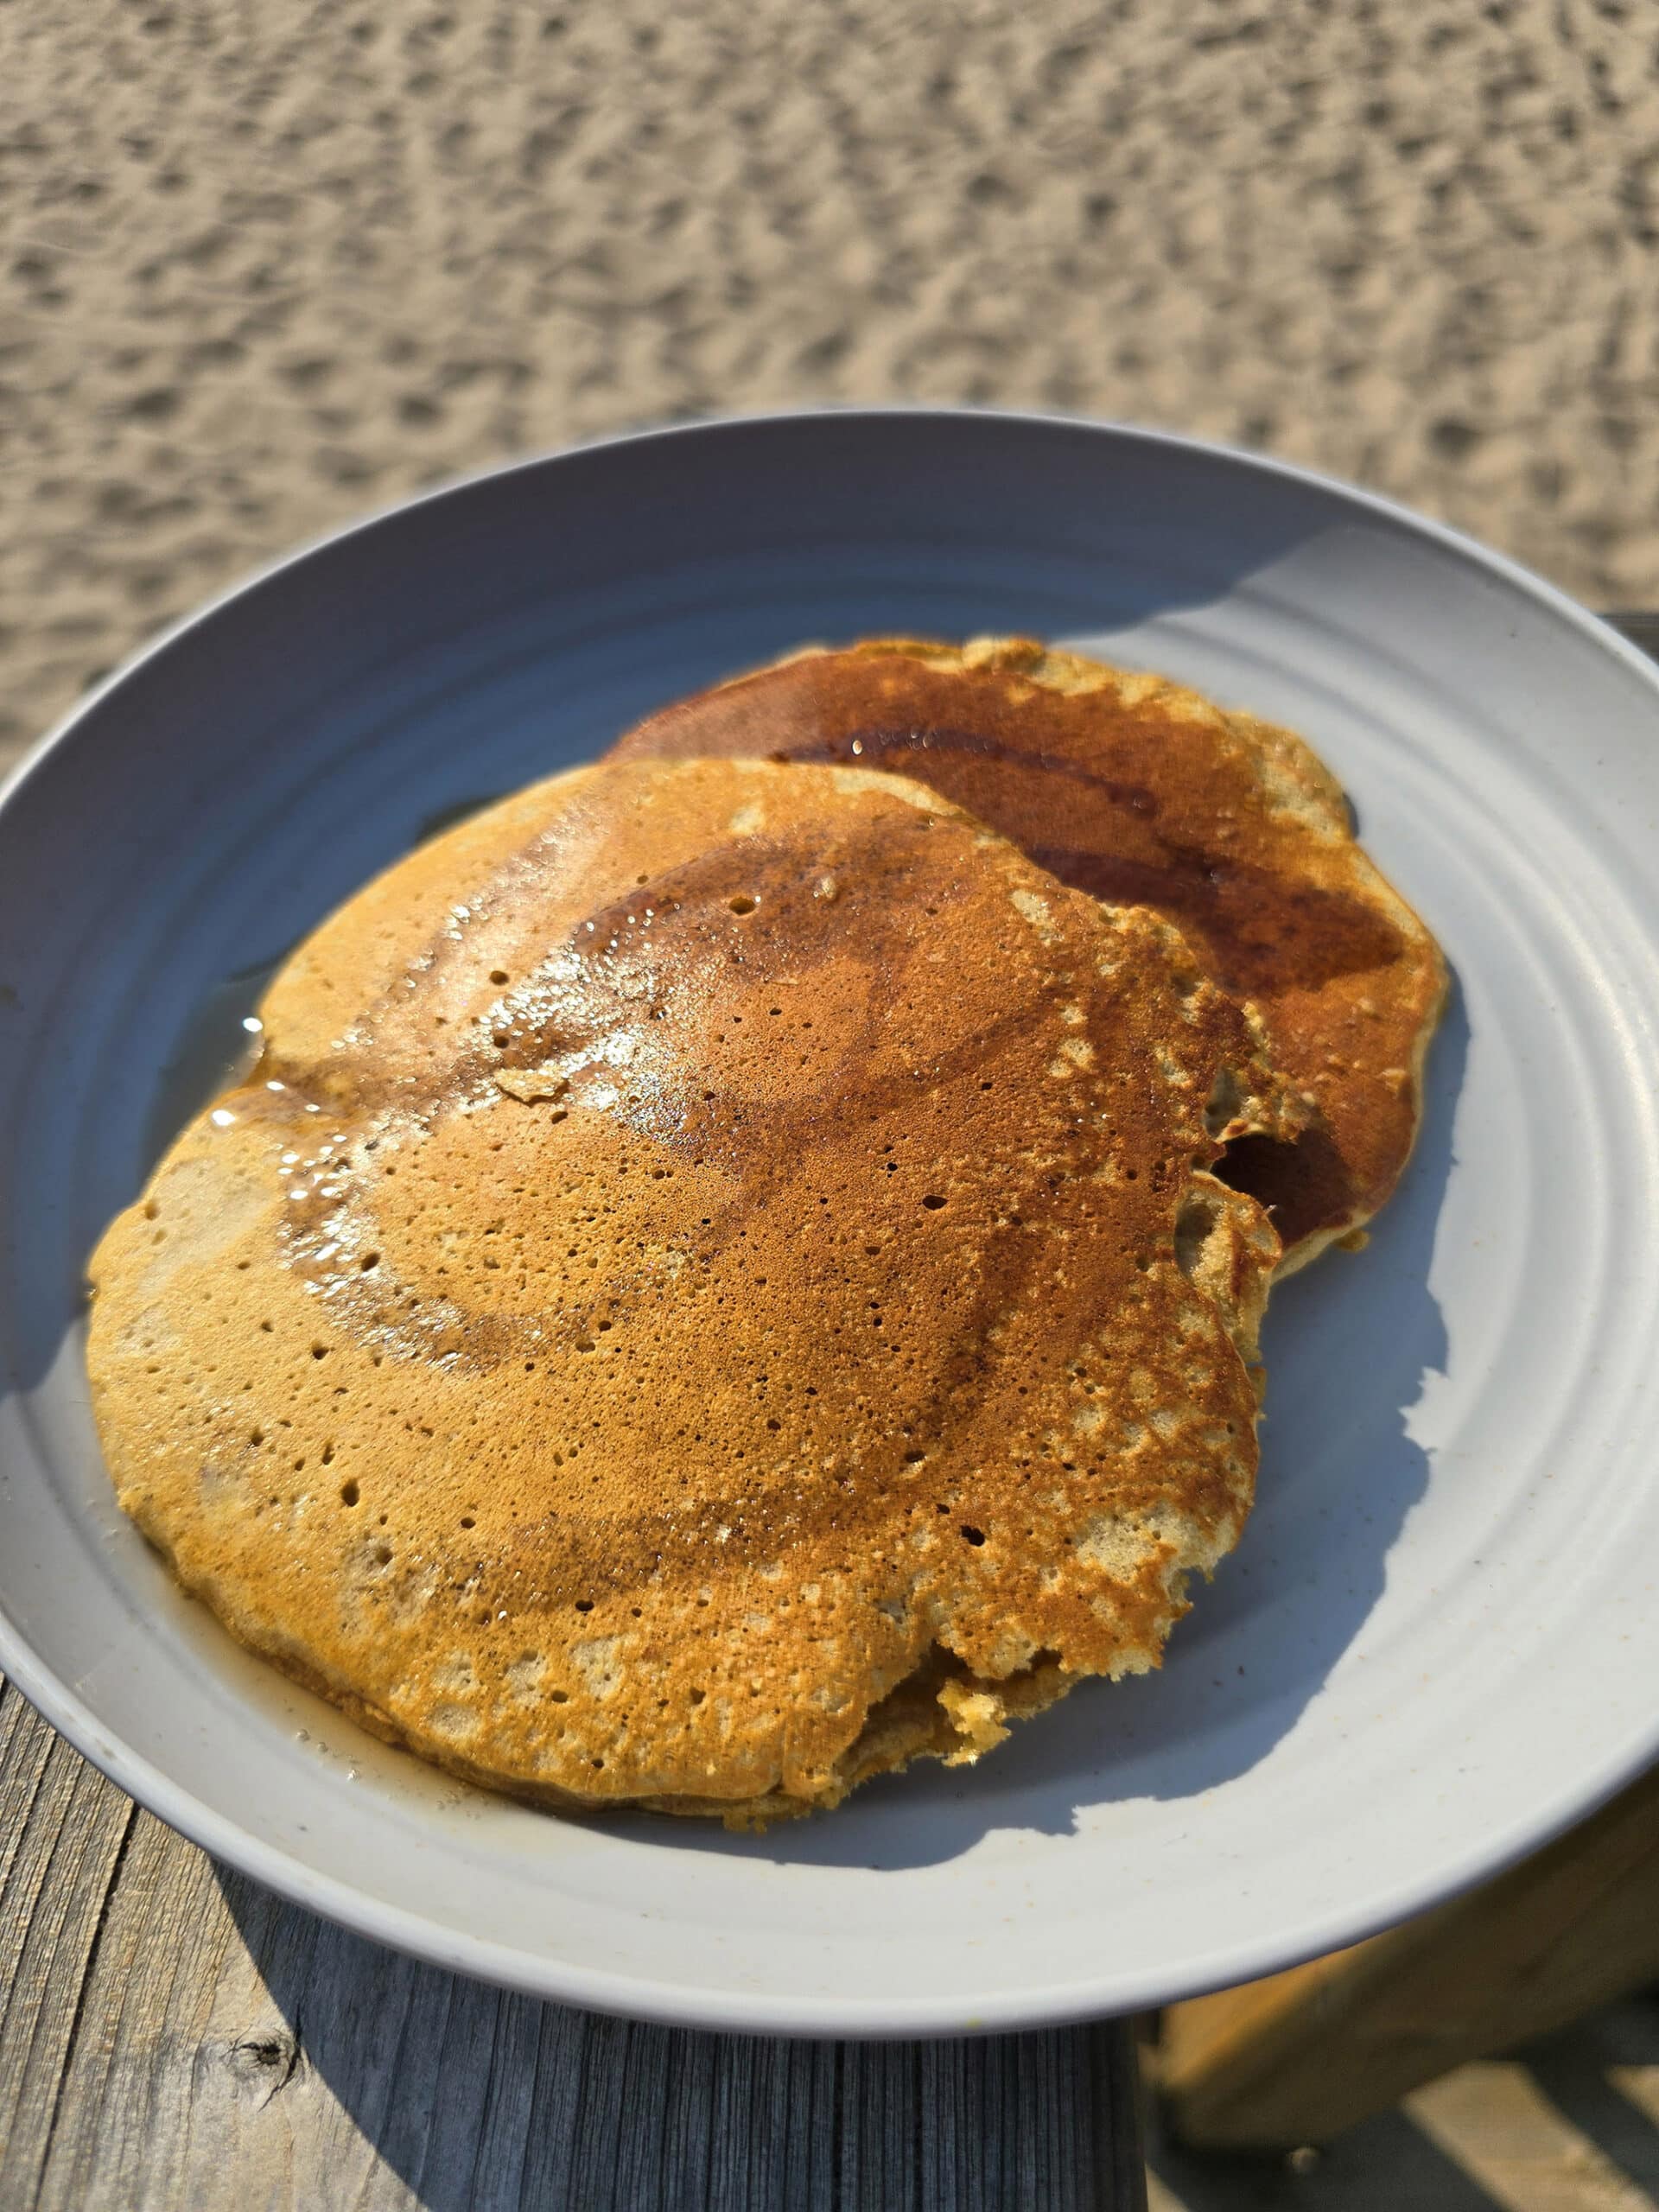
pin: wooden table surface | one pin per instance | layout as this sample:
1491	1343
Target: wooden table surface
173	2035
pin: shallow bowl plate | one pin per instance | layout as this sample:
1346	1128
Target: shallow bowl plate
1438	1642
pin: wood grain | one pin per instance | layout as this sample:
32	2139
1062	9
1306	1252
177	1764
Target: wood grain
173	2035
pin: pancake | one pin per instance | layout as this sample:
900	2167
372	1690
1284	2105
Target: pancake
713	1290
1136	790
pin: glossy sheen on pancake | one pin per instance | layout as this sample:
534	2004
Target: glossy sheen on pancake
711	1291
1137	791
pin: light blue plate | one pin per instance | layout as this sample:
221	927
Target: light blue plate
1439	1641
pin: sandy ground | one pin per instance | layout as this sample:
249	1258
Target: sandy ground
266	266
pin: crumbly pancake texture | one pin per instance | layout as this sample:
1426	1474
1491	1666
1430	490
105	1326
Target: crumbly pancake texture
1139	792
713	1290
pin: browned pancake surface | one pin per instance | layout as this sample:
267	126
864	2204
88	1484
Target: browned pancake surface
1136	790
712	1290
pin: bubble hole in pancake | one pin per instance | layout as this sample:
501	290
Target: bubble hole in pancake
713	1290
1138	790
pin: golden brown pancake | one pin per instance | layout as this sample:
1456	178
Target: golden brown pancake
1139	792
713	1290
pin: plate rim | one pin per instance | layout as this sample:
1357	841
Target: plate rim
678	2004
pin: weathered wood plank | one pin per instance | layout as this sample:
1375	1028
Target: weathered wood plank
171	2035
62	1834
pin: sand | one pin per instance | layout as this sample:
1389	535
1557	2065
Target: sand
263	269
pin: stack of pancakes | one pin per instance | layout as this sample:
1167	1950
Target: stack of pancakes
740	1266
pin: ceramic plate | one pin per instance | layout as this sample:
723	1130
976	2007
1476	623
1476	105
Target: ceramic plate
1438	1642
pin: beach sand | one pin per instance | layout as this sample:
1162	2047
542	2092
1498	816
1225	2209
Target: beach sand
263	270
